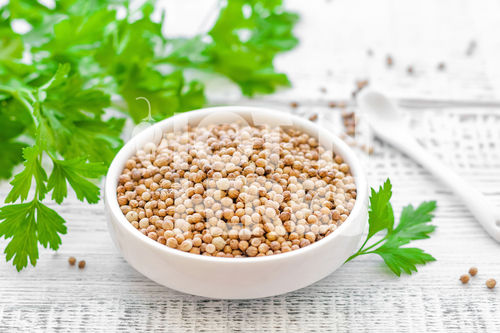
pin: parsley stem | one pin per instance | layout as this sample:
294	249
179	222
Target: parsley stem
374	244
362	251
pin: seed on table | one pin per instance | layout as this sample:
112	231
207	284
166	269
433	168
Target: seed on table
389	61
81	264
313	117
491	283
473	271
360	84
464	278
72	261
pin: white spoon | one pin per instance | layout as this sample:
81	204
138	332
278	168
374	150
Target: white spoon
387	124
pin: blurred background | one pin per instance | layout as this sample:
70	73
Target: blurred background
345	41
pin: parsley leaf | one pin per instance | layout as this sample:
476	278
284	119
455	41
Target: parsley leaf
49	226
403	259
21	183
28	224
76	172
413	224
68	83
11	156
18	223
380	214
241	45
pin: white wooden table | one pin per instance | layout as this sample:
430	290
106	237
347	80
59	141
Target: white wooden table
361	296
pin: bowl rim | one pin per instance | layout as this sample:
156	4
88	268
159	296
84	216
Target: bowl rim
116	166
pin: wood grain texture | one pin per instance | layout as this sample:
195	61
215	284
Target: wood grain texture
108	295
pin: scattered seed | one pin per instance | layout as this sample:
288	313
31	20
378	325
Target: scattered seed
360	84
72	261
473	271
332	105
323	90
367	149
491	283
389	61
441	66
471	48
81	264
464	278
294	104
313	117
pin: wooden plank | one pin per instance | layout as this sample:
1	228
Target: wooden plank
109	294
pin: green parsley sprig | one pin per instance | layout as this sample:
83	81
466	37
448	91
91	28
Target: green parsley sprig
413	225
80	58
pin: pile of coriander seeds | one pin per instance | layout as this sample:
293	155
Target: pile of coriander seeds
236	190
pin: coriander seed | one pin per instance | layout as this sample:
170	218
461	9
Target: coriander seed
491	283
233	190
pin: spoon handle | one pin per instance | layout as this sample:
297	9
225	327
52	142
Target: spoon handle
479	205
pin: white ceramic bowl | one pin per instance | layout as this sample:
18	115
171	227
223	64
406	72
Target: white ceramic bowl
235	278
